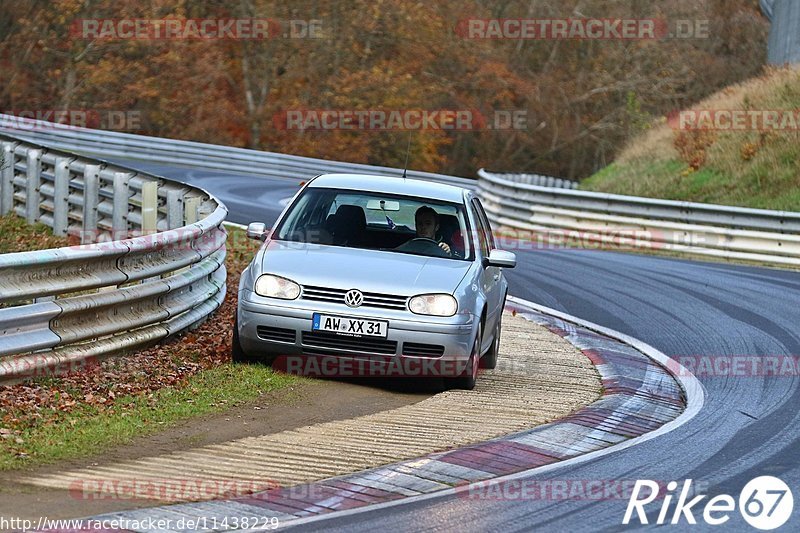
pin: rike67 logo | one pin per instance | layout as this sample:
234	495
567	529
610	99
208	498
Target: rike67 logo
765	503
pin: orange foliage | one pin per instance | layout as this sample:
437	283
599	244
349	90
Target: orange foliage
580	100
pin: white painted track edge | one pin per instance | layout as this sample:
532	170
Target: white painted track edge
695	399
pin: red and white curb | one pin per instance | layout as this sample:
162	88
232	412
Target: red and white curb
641	399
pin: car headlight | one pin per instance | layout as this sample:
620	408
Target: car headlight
277	287
433	304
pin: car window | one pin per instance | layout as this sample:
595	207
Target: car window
480	230
401	213
373	220
485	221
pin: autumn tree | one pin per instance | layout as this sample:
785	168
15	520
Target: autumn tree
581	99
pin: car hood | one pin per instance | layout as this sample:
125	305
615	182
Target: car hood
366	270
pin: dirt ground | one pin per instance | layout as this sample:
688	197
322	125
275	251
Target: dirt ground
311	402
323	428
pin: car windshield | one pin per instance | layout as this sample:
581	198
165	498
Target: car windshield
377	221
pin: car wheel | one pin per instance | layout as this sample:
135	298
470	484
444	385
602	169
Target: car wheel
489	359
468	377
237	353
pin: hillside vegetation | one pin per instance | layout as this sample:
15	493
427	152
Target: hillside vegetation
755	168
578	100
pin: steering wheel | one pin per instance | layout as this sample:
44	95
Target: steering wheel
427	246
425	239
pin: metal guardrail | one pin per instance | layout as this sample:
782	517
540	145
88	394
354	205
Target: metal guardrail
539	180
784	34
110	144
150	263
116	291
560	216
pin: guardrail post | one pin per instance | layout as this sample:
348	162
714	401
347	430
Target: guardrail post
7	179
175	208
34	178
91	197
149	207
61	197
84	293
191	209
122	194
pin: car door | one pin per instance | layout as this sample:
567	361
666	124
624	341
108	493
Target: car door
490	275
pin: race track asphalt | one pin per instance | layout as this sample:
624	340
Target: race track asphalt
748	427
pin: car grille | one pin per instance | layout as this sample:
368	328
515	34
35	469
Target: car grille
268	333
422	350
371	299
315	343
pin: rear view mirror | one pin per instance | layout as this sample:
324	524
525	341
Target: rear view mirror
256	230
383	205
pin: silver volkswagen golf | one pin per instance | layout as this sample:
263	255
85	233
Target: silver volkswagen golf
380	275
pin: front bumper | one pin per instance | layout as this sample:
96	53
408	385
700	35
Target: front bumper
255	313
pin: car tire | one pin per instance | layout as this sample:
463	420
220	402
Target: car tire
238	355
469	376
489	359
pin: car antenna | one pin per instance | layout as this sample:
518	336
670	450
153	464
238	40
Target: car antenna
408	149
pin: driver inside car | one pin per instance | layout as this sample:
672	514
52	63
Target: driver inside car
426	220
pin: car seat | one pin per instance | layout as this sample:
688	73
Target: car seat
348	226
450	232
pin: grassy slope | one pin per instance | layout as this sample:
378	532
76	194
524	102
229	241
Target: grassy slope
89	429
17	236
743	168
53	418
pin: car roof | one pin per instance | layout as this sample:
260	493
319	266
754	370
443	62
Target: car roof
391	185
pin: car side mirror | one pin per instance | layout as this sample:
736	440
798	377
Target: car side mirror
501	258
256	230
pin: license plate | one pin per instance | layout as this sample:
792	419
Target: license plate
357	327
